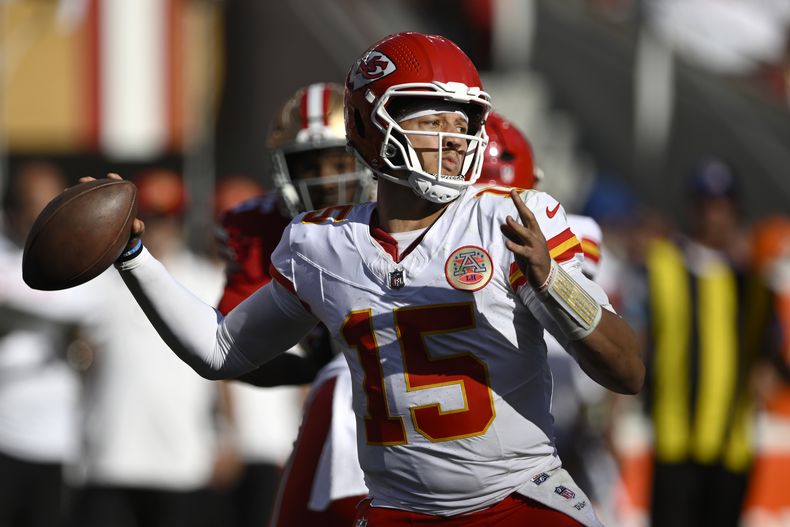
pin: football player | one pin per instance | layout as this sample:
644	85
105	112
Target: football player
312	170
437	293
323	482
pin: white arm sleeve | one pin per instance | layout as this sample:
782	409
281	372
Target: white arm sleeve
266	324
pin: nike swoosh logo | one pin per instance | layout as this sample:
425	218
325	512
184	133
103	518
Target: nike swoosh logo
550	213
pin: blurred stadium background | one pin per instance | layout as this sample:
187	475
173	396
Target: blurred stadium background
634	91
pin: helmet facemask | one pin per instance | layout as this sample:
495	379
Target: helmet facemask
399	154
298	177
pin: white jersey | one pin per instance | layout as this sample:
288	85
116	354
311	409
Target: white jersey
451	384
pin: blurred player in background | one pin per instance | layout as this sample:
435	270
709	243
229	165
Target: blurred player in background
39	391
444	338
312	170
509	160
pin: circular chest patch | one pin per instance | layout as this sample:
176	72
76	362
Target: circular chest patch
468	268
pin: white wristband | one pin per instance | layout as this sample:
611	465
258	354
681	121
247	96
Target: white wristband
572	308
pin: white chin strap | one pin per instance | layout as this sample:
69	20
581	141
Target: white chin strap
427	189
437	188
432	191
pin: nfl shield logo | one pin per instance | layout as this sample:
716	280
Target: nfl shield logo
565	492
396	279
540	478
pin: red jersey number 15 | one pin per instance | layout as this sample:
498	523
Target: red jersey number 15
422	371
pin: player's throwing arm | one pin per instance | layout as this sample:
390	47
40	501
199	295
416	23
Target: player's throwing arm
604	344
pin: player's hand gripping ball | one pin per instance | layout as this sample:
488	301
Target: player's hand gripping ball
79	234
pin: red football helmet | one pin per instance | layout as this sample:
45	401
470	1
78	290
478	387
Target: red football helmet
409	68
508	160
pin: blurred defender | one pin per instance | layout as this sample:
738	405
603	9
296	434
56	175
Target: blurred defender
312	170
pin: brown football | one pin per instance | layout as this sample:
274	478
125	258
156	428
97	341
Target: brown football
79	234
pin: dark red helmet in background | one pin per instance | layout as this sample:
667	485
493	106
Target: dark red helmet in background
412	68
508	160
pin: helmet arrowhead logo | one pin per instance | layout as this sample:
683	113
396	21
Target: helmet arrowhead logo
371	67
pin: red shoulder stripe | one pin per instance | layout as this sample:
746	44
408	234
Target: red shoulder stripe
591	249
562	237
567	253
